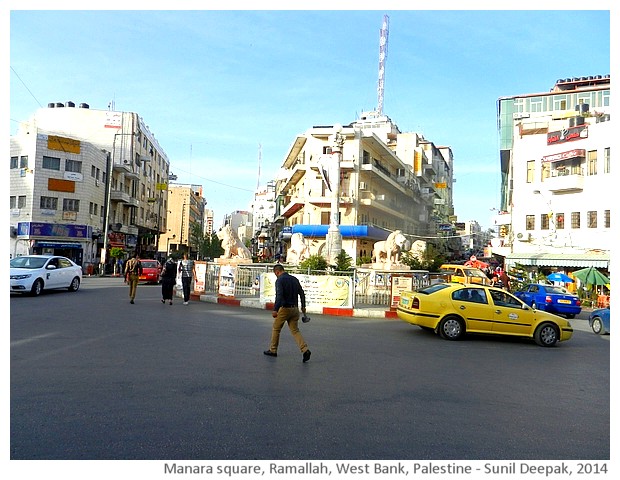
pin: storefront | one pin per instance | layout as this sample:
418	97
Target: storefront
68	240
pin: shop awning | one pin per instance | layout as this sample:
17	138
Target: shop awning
347	231
593	259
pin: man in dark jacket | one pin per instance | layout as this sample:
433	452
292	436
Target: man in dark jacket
286	309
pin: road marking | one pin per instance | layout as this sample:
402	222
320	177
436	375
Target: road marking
18	343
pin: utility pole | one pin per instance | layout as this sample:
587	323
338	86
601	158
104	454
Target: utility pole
333	240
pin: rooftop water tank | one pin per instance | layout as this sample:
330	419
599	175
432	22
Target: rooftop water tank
70	104
84	105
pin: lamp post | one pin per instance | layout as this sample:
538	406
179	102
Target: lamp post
108	193
333	240
168	244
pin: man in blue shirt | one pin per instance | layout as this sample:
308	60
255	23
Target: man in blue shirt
286	309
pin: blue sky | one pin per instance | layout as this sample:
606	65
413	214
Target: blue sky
214	85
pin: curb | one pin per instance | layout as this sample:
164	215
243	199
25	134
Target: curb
331	311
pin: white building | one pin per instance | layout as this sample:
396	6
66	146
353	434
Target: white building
557	176
65	186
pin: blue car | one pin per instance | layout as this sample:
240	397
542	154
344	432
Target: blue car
599	321
550	298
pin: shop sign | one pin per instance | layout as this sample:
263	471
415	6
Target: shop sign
567	135
578	152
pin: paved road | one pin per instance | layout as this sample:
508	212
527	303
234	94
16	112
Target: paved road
93	377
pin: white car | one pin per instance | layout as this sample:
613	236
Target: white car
34	273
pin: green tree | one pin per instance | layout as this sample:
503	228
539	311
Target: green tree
344	262
116	253
314	262
431	260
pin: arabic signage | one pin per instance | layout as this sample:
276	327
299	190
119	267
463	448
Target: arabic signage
577	152
567	135
54	230
63	144
320	290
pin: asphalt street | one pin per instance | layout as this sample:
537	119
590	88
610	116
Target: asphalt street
93	377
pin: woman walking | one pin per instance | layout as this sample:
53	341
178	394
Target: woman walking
168	280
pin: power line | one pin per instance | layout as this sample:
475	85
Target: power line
26	87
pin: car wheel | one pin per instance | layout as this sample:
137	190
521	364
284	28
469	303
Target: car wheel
597	326
546	335
451	328
75	285
37	287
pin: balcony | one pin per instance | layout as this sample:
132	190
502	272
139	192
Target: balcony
565	182
119	196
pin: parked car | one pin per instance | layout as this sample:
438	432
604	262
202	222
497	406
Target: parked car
151	269
463	274
599	321
453	310
550	298
32	274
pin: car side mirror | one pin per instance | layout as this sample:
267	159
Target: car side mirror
51	267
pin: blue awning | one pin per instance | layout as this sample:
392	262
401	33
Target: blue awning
347	231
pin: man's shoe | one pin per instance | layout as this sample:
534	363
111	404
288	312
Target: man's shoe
130	301
307	354
269	353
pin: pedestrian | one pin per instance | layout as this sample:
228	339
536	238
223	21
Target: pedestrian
133	270
503	277
286	309
168	280
187	267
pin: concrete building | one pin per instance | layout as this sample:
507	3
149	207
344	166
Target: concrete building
66	197
388	181
556	177
186	208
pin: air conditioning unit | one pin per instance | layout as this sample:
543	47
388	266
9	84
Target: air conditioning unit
524	237
363	186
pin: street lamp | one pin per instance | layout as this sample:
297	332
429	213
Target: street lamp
333	240
168	244
108	193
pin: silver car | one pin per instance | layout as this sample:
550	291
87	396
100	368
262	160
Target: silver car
32	274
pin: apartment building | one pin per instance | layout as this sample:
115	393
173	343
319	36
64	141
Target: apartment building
77	172
388	181
556	175
186	210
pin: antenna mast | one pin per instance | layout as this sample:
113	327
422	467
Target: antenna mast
260	155
383	51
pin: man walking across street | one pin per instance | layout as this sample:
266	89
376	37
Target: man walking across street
133	270
286	309
187	267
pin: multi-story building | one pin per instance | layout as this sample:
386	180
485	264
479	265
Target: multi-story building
388	181
87	171
556	179
186	209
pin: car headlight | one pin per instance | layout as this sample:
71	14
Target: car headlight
21	277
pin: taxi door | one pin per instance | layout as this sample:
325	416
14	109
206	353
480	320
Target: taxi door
473	305
509	315
53	274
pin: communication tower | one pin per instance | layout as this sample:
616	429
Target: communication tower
383	51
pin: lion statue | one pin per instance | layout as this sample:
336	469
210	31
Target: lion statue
389	250
418	249
298	251
232	244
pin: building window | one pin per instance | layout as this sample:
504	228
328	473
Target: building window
21	201
592	162
365	157
607	156
23	161
531	164
51	163
544	221
12	202
559	102
73	166
559	221
545	171
530	222
575	220
592	217
14	162
49	203
607	218
70	205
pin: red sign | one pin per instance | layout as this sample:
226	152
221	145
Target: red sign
578	152
567	135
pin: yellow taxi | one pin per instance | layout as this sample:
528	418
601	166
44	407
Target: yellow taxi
464	274
453	310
